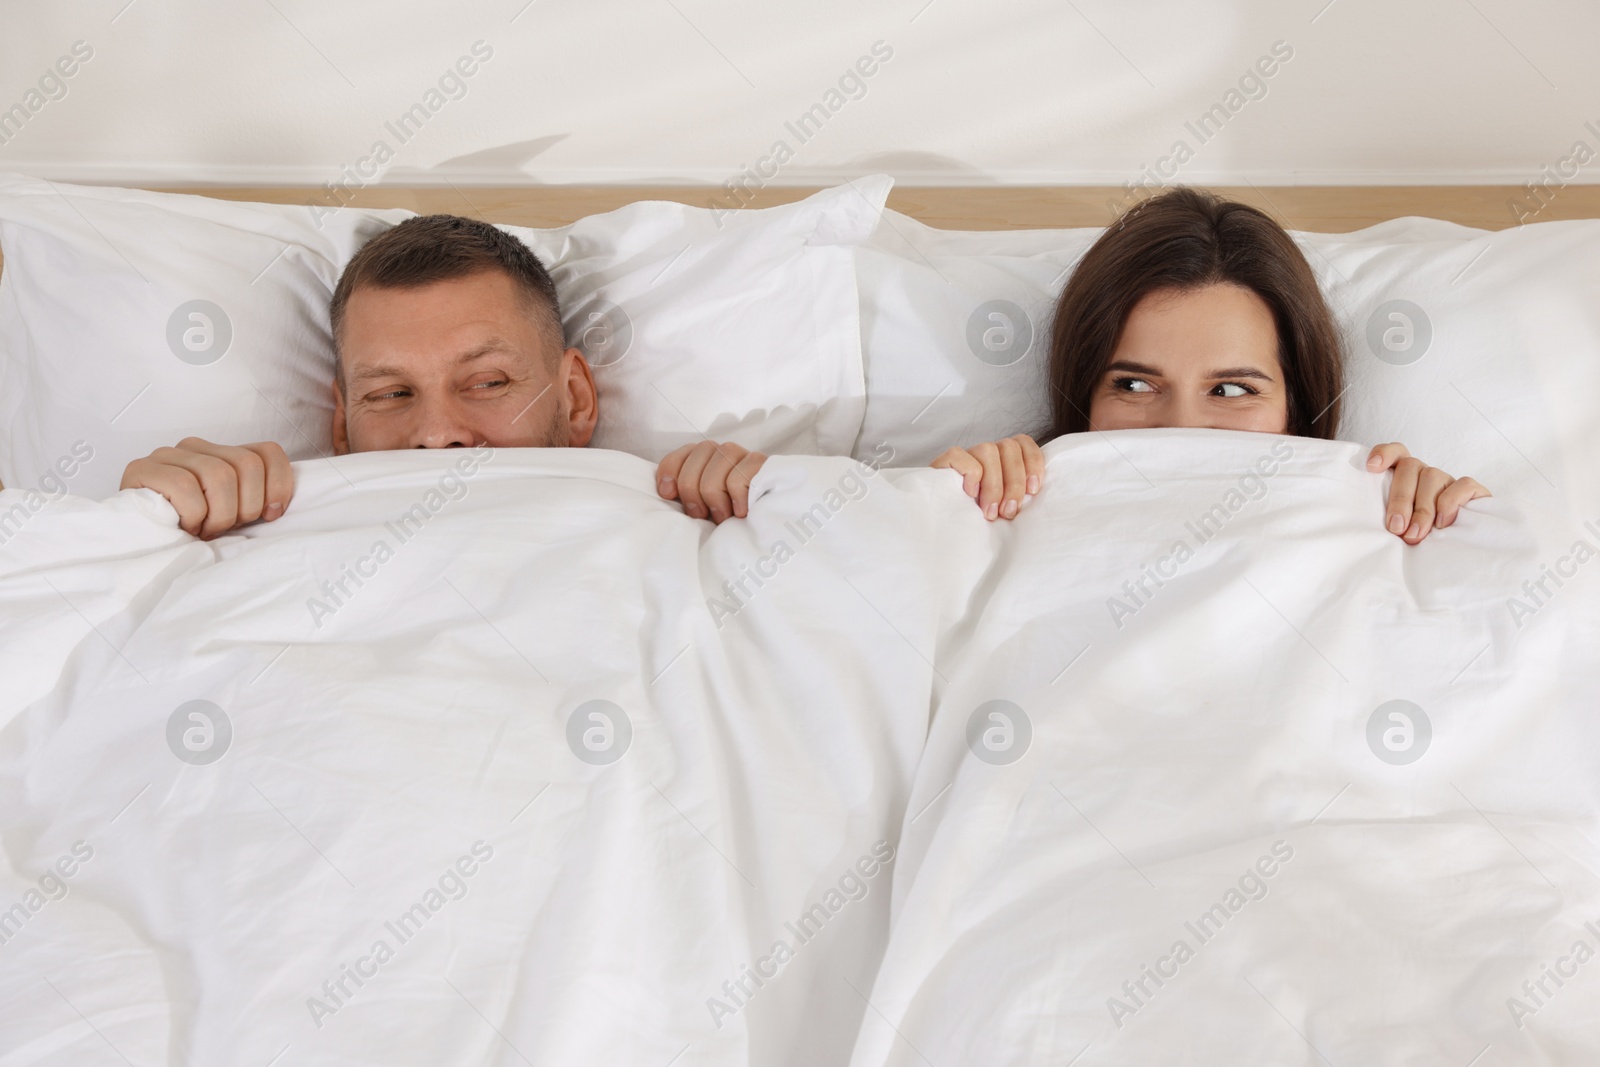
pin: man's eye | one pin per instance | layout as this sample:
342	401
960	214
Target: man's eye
1232	389
389	395
1133	385
490	385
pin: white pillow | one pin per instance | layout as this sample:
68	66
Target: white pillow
738	324
1479	350
1504	390
732	325
101	360
955	333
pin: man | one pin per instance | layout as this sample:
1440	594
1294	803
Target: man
447	334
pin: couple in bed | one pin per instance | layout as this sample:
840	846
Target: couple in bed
1191	311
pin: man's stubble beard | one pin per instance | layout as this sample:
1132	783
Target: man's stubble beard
556	434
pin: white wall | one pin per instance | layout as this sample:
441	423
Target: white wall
1086	91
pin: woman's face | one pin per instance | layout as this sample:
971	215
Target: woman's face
1202	358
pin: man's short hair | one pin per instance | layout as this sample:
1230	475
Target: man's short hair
433	248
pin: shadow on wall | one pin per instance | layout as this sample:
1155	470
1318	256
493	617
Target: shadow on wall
507	161
1182	96
912	166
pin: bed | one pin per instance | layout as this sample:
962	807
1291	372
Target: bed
496	758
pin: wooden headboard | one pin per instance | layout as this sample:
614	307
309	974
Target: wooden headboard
1325	208
1322	208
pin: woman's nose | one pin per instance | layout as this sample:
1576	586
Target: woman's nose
1184	412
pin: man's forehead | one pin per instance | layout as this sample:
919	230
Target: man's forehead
387	366
424	330
485	291
439	311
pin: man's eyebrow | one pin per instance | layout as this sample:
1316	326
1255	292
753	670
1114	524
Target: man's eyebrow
489	347
369	373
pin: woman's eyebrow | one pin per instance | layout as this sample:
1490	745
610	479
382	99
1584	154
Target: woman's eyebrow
1134	368
1241	372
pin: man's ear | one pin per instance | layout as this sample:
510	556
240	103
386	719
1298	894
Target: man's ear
583	400
341	432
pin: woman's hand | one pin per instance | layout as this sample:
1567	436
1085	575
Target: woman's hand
711	480
999	475
1421	498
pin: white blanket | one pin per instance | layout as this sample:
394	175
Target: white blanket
1222	843
399	746
400	856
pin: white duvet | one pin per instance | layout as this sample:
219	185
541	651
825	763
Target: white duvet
1220	845
494	758
403	740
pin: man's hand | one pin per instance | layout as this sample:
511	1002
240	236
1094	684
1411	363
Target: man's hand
711	480
216	488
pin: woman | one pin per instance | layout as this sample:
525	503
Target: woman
1194	311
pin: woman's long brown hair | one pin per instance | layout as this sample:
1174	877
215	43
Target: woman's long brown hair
1185	239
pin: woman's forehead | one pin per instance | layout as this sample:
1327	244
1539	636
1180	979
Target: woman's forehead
1212	328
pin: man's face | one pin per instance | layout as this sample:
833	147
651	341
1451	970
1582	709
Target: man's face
456	363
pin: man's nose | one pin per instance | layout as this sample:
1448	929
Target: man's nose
440	425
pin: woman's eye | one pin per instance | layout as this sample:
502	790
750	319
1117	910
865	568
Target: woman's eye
1133	385
1232	389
